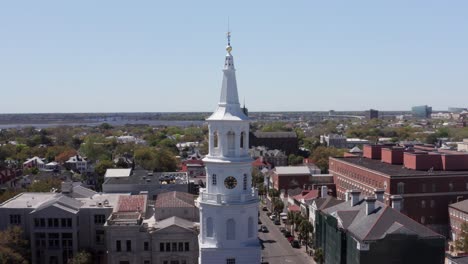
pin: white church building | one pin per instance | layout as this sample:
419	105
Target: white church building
228	204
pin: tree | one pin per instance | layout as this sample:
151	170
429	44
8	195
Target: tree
60	153
305	230
156	159
461	244
321	155
81	258
13	248
94	148
278	205
319	256
295	160
102	166
45	185
105	126
273	193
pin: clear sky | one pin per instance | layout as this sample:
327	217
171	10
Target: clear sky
160	56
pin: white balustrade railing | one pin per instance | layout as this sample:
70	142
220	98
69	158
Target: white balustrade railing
227	198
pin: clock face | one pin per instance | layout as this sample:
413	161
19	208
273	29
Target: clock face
230	182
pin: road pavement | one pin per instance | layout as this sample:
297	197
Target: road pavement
277	249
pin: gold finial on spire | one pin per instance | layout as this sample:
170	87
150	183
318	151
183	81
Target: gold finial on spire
229	48
228	34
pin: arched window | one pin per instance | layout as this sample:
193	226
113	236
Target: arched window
245	181
450	186
250	227
400	188
215	139
213	179
231	139
423	220
242	139
423	204
230	229
209	227
432	203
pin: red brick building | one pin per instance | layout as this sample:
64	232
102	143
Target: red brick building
427	181
458	213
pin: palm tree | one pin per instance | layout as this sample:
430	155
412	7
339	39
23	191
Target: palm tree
294	219
305	229
278	205
318	256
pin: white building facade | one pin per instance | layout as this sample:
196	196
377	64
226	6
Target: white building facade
228	205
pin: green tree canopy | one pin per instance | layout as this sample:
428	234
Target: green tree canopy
13	248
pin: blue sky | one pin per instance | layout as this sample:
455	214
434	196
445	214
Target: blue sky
160	56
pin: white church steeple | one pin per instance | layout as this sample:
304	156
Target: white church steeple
228	106
228	204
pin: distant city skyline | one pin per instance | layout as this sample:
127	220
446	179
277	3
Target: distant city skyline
117	56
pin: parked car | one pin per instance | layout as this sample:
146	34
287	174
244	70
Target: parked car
264	229
264	208
268	214
259	221
282	229
277	222
290	239
273	217
286	233
295	244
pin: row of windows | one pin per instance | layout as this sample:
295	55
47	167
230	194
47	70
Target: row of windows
401	187
174	246
359	177
100	219
128	246
15	219
52	240
423	204
230	228
53	222
174	261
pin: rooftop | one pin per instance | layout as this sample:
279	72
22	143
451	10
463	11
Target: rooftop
391	169
150	178
382	221
175	199
27	199
132	203
174	220
292	170
462	205
117	173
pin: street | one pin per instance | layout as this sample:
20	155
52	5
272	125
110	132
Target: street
277	248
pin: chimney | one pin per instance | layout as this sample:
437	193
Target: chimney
323	191
370	204
379	195
396	202
354	196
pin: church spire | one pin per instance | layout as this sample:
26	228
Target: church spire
229	100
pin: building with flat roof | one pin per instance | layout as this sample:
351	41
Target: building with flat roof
427	181
137	181
458	214
422	111
50	222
